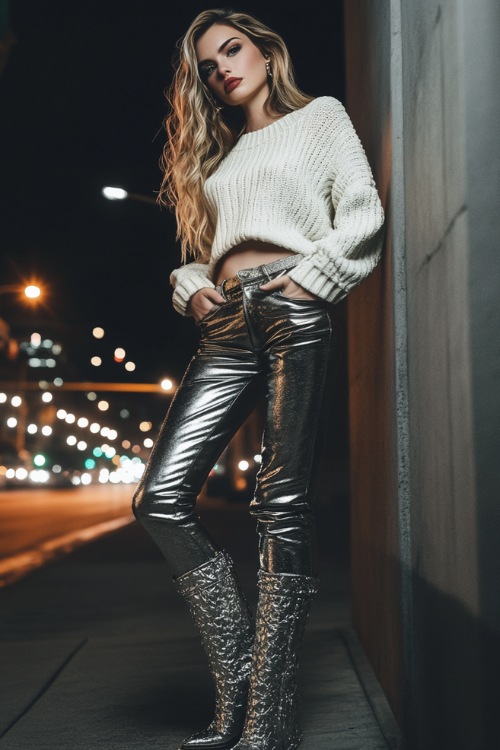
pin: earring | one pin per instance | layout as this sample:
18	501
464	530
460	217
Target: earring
268	68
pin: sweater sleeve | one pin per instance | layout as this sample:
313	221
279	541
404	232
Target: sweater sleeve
187	280
352	248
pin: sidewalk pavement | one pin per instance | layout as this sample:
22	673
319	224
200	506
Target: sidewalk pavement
98	651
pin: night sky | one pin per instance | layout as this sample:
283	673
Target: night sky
82	104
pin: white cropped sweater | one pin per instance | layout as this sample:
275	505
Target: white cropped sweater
302	183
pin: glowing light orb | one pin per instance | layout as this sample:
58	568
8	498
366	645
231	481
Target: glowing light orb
32	291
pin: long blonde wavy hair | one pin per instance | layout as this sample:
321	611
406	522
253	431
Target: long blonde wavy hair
199	136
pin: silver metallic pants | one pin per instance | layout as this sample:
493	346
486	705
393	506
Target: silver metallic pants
256	343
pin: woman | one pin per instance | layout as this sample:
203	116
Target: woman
281	214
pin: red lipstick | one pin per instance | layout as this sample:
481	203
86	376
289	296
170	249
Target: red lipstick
231	83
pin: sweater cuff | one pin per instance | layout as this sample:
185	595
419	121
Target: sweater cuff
185	289
323	282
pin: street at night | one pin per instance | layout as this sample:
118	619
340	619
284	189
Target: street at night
97	649
249	369
37	525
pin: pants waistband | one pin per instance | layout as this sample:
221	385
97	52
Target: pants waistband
263	273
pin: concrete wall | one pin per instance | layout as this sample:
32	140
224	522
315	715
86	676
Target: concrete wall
434	403
480	32
440	395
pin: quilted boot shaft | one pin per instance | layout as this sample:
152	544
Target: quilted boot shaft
221	614
272	721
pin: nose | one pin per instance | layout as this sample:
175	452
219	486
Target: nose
222	69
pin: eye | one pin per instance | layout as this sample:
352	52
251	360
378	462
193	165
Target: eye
207	71
234	50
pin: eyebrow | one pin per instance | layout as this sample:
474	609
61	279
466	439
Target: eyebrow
224	44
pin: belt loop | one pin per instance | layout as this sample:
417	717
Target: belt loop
263	268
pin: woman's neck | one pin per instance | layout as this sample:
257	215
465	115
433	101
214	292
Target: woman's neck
260	122
256	114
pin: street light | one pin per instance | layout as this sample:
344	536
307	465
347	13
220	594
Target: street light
119	194
9	349
30	291
114	193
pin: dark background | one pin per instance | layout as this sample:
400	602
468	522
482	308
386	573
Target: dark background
82	105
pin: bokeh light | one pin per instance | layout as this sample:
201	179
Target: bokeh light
32	291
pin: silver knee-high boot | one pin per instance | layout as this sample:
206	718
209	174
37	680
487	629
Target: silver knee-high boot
221	614
272	721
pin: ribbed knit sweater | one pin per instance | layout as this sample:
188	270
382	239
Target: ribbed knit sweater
302	183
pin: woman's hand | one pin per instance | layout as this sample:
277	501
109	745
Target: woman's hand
289	288
202	302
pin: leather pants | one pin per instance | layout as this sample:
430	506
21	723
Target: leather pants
255	344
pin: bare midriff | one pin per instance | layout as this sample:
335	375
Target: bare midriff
248	254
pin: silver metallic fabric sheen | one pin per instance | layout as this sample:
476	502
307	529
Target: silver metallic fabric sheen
255	344
221	614
272	721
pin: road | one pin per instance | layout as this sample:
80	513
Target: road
38	525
